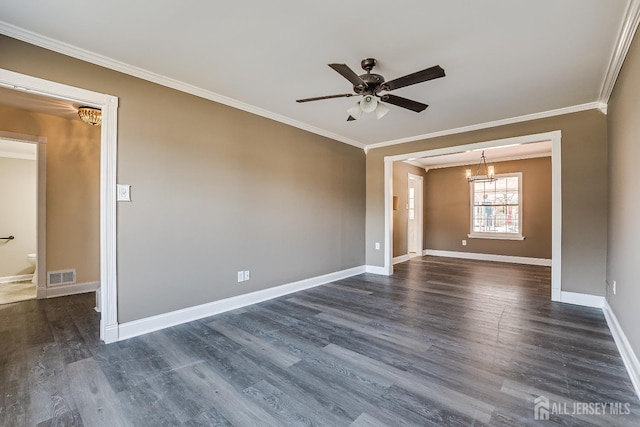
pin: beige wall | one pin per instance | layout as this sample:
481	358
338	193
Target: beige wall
401	216
215	190
447	211
17	215
624	196
584	191
73	189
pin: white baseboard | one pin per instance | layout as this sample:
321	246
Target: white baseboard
624	347
585	300
166	320
490	257
65	290
20	278
374	269
401	258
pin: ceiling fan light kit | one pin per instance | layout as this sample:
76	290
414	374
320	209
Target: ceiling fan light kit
370	85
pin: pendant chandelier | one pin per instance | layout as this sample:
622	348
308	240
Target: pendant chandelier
90	115
483	172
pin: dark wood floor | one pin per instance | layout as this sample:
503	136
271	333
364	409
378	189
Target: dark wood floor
442	342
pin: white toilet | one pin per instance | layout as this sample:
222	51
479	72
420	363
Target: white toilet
33	260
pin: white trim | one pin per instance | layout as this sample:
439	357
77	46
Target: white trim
374	269
490	257
401	258
625	37
496	123
624	347
18	278
154	323
495	236
490	235
104	61
108	151
584	300
65	290
556	216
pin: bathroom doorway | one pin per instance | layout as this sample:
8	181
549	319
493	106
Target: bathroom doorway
19	186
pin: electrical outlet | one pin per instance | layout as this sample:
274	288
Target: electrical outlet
464	243
246	275
240	276
377	246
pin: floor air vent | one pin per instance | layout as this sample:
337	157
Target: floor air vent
62	277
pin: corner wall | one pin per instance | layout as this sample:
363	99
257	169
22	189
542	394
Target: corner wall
447	211
215	190
624	196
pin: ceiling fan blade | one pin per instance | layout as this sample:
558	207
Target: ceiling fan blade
404	102
318	98
348	74
434	72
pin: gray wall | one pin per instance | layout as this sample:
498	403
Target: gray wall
584	191
447	211
624	196
17	215
215	190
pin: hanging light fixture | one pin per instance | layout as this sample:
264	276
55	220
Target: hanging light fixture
368	104
489	172
90	115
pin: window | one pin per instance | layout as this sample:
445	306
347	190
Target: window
496	208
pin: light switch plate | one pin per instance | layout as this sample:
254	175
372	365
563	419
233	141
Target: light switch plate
123	193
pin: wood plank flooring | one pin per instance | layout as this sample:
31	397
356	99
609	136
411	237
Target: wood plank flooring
442	342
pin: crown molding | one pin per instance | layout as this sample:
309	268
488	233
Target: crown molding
493	161
104	61
495	123
625	37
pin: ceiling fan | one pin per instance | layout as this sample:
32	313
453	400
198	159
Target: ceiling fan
370	86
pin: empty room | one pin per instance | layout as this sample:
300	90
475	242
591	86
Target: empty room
319	214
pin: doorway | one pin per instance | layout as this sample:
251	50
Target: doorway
19	188
108	143
414	217
555	137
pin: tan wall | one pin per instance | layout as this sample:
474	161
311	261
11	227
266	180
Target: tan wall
447	211
17	215
584	191
401	216
215	190
624	196
73	189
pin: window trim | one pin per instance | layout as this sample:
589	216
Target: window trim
498	236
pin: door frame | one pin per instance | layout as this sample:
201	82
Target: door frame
108	162
556	196
419	206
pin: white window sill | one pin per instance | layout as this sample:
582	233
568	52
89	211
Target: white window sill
495	236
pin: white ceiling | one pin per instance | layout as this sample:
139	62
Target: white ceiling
17	150
503	58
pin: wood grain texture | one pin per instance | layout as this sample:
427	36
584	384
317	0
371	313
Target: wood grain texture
442	342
